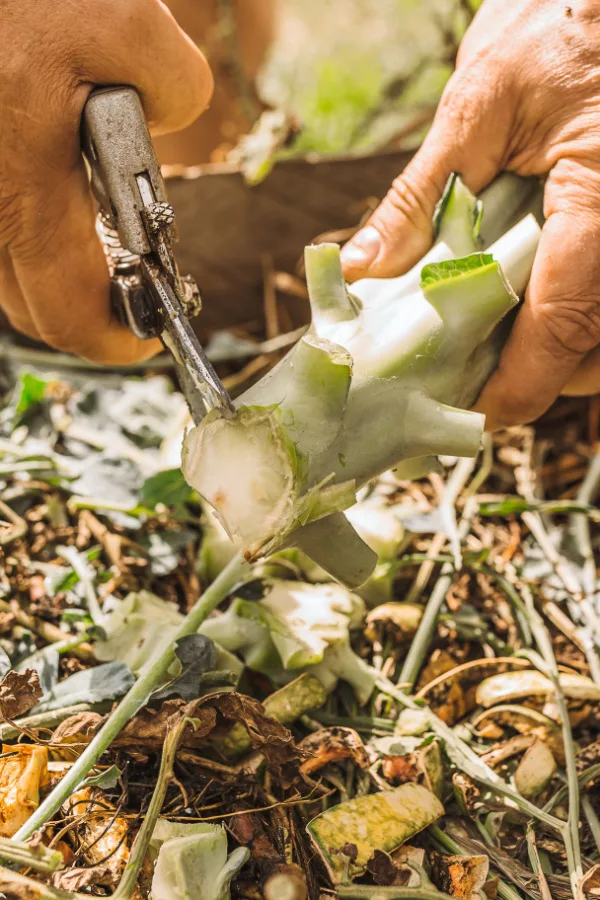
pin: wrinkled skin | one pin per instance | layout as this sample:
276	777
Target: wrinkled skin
525	97
53	275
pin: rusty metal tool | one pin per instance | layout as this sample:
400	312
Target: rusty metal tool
137	227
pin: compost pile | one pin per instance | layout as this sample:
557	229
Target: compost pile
434	733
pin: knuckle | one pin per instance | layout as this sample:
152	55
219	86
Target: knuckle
570	327
10	216
67	340
409	200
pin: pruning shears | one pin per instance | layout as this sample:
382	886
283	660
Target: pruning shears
136	225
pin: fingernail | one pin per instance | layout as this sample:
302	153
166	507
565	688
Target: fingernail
363	249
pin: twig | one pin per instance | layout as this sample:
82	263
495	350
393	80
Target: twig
550	669
536	864
581	605
420	645
19	525
134	700
142	839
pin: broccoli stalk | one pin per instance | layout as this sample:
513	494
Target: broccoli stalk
383	376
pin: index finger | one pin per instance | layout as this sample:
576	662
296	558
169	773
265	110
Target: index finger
559	321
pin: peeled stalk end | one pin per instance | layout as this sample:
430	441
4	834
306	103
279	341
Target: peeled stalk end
330	300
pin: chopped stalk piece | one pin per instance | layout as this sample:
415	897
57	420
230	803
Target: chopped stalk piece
192	861
381	821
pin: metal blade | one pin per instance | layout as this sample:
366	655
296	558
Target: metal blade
200	383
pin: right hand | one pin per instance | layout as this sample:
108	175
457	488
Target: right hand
525	97
54	282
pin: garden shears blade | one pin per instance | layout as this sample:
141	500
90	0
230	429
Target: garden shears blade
137	227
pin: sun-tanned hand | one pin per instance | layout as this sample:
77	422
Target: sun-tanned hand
53	275
525	97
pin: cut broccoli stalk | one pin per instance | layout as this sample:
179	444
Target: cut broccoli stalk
297	627
384	376
190	860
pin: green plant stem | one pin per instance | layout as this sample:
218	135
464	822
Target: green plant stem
370	724
83	572
587	775
580	528
550	668
445	842
40	857
468	761
49	719
142	840
134	700
370	892
420	645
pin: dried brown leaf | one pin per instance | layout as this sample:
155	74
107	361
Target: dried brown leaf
273	739
19	692
589	885
146	731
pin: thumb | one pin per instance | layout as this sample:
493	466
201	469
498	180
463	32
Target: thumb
468	135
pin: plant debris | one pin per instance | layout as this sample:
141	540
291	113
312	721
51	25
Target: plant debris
438	733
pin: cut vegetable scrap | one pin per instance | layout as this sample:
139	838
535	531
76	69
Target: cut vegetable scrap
141	627
381	821
285	706
462	876
23	772
191	861
531	683
536	770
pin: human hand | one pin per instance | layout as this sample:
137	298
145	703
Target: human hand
525	97
53	276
